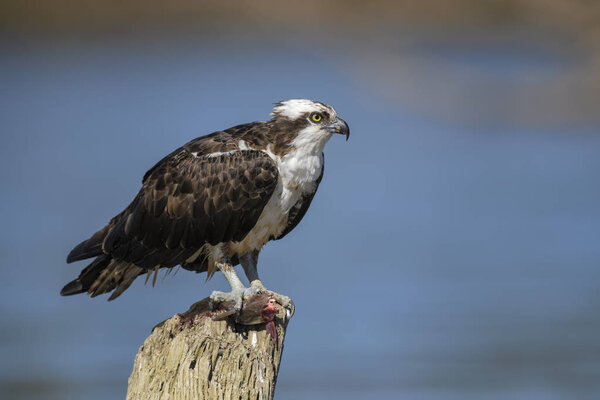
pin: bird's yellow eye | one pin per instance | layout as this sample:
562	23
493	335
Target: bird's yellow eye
316	117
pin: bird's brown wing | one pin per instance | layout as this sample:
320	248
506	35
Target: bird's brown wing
187	200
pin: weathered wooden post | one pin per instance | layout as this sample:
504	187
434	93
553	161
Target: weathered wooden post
199	355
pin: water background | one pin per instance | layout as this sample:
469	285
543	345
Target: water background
452	257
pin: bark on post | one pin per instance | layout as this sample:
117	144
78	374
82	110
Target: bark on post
191	356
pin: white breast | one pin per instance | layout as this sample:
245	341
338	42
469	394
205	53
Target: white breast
298	173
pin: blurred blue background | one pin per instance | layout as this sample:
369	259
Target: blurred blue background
452	251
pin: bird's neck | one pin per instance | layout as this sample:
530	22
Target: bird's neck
311	141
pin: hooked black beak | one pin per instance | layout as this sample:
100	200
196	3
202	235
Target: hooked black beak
339	126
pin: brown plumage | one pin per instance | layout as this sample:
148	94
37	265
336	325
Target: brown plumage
209	192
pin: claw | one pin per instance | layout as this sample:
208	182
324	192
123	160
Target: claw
235	303
227	303
251	306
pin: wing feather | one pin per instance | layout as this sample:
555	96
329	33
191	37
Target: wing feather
189	201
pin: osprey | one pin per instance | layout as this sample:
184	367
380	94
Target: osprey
214	203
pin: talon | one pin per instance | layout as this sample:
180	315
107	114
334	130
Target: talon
251	306
229	303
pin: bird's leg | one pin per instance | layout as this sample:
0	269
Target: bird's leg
235	298
249	305
249	262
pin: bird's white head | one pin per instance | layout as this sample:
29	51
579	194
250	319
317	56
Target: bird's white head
312	122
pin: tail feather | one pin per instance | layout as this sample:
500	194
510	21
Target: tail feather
89	248
86	277
117	276
104	275
71	288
